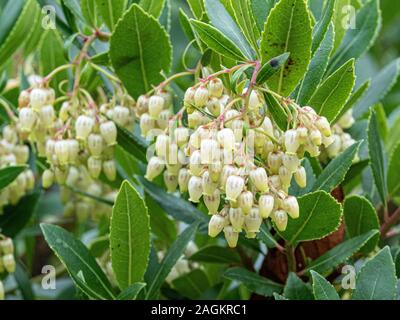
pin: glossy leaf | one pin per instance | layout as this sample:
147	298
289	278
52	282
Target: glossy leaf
215	254
323	24
111	11
9	174
296	289
354	98
322	289
193	284
154	7
132	291
271	67
393	176
261	10
276	111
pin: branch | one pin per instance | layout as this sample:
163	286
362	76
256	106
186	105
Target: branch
392	220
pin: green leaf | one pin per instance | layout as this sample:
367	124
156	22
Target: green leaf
221	20
276	111
176	207
397	262
8	17
52	56
75	8
358	40
132	144
132	291
253	281
271	67
216	40
245	19
381	84
193	284
111	11
354	98
279	297
15	218
20	31
295	190
311	224
332	94
24	284
140	50
393	176
9	174
288	29
81	266
323	25
340	253
296	289
154	7
99	246
89	11
377	278
197	8
322	289
261	10
102	59
360	217
265	236
377	157
336	170
215	254
129	236
316	70
174	253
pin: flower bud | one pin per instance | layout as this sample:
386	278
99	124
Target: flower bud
23	100
61	150
216	87
292	142
163	119
95	144
254	100
231	236
10	134
300	177
50	145
73	177
142	105
110	170
316	137
82	211
188	98
227	171
212	201
183	179
291	206
108	131
47	116
47	178
162	143
210	152
181	136
146	124
334	148
214	106
267	127
215	171
63	114
285	175
27	119
291	162
154	168
265	205
83	127
156	105
324	126
236	218
201	96
312	149
121	115
21	153
194	119
94	167
30	179
347	120
226	138
253	221
73	150
38	98
275	161
280	218
195	189
237	127
234	187
216	224
245	201
259	178
9	263
208	185
195	165
171	181
6	246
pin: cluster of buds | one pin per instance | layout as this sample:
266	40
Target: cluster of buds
341	139
7	261
13	153
234	157
78	135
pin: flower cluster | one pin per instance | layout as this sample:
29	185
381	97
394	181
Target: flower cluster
232	155
7	261
78	136
13	153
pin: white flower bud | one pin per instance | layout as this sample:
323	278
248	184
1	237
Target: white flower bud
227	171
95	144
73	150
291	206
280	218
183	179
231	236
253	221
214	106
9	263
291	162
171	181
335	147
316	137
61	150
237	127
10	134
156	105
300	177
181	136
38	98
83	127
236	218
234	187
265	205
82	211
50	96
6	246
108	131
215	171
201	96
21	154
121	115
216	224
142	105
47	116
195	165
146	124
268	127
216	87
226	138
27	119
245	201
195	119
23	100
254	100
188	98
292	142
324	126
311	148
347	120
195	189
212	201
162	144
73	176
274	161
154	168
302	133
47	178
209	150
327	141
208	185
259	178
285	175
276	181
94	167
110	169
63	114
30	180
